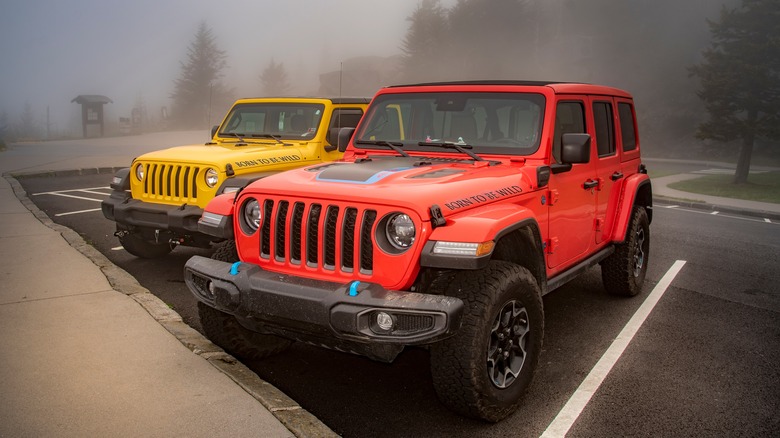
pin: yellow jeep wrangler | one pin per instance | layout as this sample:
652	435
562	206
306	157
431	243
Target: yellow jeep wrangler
157	201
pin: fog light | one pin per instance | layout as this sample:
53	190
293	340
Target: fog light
212	289
384	321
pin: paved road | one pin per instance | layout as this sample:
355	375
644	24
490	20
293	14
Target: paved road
703	363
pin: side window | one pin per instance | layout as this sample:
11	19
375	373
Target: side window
605	130
345	118
627	128
569	118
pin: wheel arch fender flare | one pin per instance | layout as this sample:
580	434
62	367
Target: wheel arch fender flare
637	190
505	225
121	180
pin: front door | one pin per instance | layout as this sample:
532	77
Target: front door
572	203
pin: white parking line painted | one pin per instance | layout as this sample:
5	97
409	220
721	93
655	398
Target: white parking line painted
86	189
96	193
117	248
767	221
71	196
77	212
571	411
715	212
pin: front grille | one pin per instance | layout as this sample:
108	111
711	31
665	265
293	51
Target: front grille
319	236
171	182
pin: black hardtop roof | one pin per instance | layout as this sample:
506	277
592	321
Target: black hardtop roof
335	100
486	82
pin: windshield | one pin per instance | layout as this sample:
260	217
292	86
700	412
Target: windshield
495	123
273	120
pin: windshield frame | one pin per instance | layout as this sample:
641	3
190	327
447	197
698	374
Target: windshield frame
276	119
505	114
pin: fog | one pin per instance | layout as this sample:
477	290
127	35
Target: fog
132	51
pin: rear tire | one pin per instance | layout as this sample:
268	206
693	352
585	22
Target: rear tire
485	369
225	331
136	245
623	272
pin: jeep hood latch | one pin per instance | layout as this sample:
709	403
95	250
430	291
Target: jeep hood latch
437	218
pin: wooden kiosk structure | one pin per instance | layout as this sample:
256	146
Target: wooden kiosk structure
92	110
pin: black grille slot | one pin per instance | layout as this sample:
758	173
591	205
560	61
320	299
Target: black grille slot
312	234
296	227
265	233
367	242
186	186
348	239
331	217
281	221
413	323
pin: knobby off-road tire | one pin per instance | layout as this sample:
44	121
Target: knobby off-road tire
137	246
225	331
226	252
623	272
486	368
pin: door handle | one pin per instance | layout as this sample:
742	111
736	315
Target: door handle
616	176
590	184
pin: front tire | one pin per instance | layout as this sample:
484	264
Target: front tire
485	369
226	252
623	273
225	331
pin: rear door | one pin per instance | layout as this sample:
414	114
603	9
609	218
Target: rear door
608	165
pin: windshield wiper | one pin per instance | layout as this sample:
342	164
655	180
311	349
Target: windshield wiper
271	136
460	147
396	146
276	138
240	137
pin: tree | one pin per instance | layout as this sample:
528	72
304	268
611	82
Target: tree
492	38
198	90
273	80
27	125
740	78
425	42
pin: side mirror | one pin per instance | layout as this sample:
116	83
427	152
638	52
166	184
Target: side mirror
344	136
332	139
214	130
576	148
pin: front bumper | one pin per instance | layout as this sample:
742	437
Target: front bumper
128	211
335	315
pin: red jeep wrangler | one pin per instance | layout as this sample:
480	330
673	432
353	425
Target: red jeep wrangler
456	208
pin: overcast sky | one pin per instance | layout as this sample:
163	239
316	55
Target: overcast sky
54	50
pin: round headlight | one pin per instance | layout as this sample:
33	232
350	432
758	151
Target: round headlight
212	177
400	231
139	172
251	215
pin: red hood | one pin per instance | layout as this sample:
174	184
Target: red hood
413	183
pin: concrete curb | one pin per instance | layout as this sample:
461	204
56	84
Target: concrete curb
698	205
297	420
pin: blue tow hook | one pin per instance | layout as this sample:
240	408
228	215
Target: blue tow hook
353	288
234	268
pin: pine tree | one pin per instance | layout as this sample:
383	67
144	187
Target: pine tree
424	45
198	94
740	78
273	80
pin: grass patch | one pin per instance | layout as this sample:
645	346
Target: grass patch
764	187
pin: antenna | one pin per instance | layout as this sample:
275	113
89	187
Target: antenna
341	74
